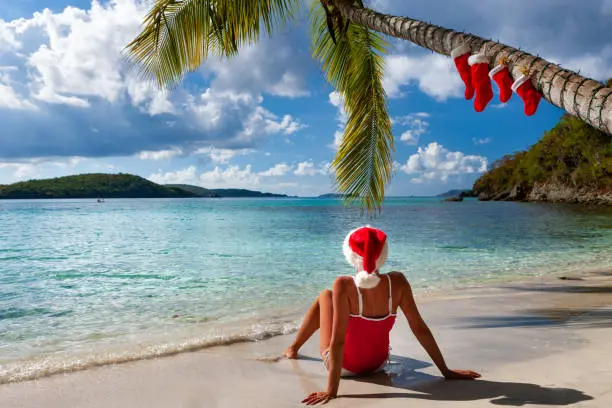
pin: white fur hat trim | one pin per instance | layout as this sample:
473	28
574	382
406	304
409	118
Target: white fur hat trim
366	280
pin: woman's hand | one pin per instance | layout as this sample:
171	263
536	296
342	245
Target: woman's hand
318	397
460	375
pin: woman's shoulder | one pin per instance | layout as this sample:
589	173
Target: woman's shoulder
343	280
399	277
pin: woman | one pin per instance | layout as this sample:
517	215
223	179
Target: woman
356	316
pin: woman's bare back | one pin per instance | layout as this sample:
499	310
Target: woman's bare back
376	300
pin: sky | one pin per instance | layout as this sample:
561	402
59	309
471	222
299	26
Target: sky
266	120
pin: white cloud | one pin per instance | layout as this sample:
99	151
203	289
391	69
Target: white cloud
223	156
37	168
286	126
216	155
22	171
308	168
230	177
594	65
253	71
159	154
278	170
499	105
407	120
435	75
417	127
183	176
69	68
410	137
211	112
9	98
336	101
276	179
438	163
74	58
481	141
338	135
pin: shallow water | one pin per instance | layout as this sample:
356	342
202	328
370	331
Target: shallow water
85	283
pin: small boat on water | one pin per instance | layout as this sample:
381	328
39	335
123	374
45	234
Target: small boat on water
101	200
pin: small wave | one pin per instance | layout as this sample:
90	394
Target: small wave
34	258
16	313
32	369
454	247
65	276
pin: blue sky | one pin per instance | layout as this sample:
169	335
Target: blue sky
266	120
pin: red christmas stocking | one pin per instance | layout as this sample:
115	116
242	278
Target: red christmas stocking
461	55
502	77
531	98
481	81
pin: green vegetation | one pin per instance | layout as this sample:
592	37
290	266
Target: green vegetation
239	192
227	193
457	193
91	186
114	186
571	154
198	191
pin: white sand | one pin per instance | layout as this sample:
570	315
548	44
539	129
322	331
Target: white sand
543	343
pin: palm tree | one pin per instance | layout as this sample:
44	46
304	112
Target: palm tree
178	36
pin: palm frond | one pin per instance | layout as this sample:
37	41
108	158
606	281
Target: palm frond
179	35
354	67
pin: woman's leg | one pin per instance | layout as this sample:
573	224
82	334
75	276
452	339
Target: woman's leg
320	315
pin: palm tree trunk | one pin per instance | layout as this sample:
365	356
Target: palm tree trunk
583	97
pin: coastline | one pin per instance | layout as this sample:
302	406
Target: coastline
492	328
175	343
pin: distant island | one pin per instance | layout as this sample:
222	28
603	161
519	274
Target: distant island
102	185
225	192
196	190
94	185
457	194
240	192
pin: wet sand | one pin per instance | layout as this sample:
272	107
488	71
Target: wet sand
541	343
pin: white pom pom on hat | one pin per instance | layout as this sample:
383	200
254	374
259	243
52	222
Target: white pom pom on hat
366	249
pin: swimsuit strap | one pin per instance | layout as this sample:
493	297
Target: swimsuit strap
360	300
390	296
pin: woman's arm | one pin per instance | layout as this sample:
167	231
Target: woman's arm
424	335
336	347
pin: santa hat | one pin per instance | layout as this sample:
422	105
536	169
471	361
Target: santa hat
366	249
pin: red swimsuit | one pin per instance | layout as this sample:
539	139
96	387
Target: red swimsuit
366	348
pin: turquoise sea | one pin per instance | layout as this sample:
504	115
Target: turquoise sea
85	283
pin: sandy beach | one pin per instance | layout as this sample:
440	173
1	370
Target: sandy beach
545	342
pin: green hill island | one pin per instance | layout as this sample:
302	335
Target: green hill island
101	185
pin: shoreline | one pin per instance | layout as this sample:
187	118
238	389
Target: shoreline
485	290
513	335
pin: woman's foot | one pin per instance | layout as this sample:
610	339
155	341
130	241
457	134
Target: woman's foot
291	353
